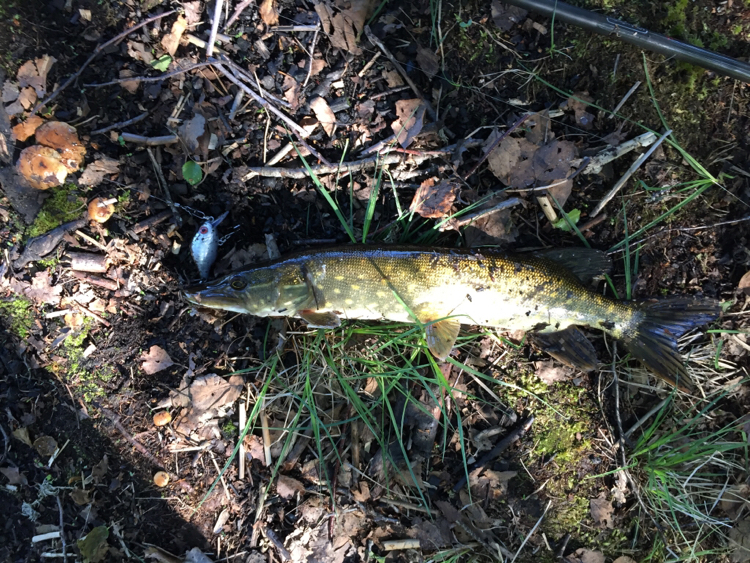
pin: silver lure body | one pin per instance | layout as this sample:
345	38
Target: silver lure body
205	245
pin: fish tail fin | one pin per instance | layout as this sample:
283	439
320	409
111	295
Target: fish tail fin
654	340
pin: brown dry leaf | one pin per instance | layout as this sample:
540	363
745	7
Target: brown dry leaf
489	483
155	360
10	92
584	555
602	510
192	131
428	61
129	85
287	487
325	116
14	476
410	120
434	201
42	167
392	78
579	104
95	172
344	27
363	493
45	446
624	559
739	541
140	52
550	373
64	139
42	291
101	468
317	66
22	434
254	448
26	128
171	40
193	11
744	284
80	497
27	98
28	75
74	320
269	13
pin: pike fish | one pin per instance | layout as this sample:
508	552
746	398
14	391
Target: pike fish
441	288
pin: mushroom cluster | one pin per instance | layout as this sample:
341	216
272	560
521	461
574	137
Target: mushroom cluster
57	153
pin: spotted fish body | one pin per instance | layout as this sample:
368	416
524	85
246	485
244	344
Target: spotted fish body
443	288
205	245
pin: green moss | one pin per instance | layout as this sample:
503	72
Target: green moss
62	206
18	314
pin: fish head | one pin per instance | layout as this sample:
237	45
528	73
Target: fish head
263	292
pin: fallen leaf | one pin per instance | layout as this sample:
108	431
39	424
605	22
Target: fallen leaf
363	493
42	291
428	61
171	40
506	16
95	172
43	66
191	132
620	488
193	11
14	476
94	546
345	26
269	13
624	559
129	85
550	373
80	497
140	52
155	360
254	448
325	116
10	92
434	201
41	167
578	104
195	555
392	78
45	446
22	434
101	468
287	487
14	109
27	98
744	284
602	510
28	75
410	120
26	128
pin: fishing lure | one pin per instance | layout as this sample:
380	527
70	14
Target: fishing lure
205	244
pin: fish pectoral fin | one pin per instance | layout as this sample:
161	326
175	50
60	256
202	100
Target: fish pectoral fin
569	346
586	264
317	319
441	336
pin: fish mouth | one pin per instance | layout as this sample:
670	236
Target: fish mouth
210	295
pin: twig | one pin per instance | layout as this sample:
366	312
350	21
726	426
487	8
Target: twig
62	530
93	315
531	532
624	98
266	432
458	222
165	188
501	446
96	52
158	78
588	225
298	131
243	423
214	28
121	124
149	141
373	39
221	477
93	280
152	221
115	419
312	55
271	535
625	177
5	444
236	14
369	64
649	414
495	143
90	240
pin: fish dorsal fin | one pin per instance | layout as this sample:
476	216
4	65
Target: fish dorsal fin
441	336
316	319
584	263
569	346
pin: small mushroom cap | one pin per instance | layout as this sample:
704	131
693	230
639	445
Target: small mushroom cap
162	418
42	167
161	479
64	139
100	211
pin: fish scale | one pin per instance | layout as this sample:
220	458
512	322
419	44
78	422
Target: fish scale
443	288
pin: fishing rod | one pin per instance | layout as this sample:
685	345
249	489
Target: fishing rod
637	36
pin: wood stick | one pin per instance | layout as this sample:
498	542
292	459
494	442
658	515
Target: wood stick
158	78
214	28
88	262
149	141
152	221
121	124
96	280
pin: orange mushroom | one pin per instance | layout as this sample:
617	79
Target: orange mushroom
63	138
42	167
101	209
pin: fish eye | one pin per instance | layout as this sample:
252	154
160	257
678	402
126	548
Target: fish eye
238	284
203	230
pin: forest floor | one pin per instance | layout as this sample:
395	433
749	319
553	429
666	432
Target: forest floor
136	426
